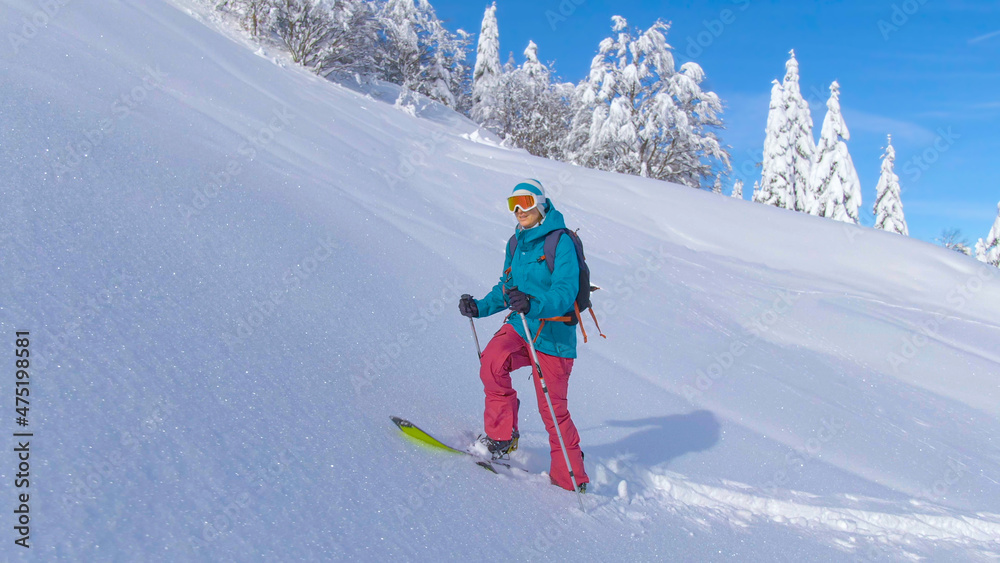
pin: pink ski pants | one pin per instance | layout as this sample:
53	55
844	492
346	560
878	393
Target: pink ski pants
506	352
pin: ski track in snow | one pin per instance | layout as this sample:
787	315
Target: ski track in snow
741	508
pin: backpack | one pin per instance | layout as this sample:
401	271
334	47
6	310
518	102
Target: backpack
582	303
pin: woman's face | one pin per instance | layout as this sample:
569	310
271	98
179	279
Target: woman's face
528	219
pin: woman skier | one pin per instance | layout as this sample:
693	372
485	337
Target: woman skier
528	287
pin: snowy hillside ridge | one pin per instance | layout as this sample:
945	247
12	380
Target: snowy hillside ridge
205	372
635	112
404	43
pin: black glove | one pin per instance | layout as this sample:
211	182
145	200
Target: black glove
467	306
518	301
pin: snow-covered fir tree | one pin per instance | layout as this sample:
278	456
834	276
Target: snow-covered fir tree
755	195
461	75
400	52
888	205
352	41
487	74
531	112
775	182
507	103
737	189
834	179
418	53
988	249
441	76
789	148
534	70
582	107
635	113
717	185
444	71
800	140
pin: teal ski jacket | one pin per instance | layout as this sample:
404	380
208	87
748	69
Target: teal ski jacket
552	293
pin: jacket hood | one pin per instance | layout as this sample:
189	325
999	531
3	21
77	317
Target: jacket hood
552	221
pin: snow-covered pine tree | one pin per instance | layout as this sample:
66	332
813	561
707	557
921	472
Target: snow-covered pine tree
442	65
775	181
582	105
737	189
446	53
643	117
461	73
508	101
418	53
533	69
834	179
398	56
888	205
800	140
487	74
532	113
755	196
988	250
436	79
353	39
717	185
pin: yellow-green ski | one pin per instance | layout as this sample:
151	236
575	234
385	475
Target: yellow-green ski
413	432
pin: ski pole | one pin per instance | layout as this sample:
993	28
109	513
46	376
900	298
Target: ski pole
552	410
476	337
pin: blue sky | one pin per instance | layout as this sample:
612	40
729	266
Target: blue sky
925	71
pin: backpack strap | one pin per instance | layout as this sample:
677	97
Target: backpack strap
595	324
541	325
549	248
579	319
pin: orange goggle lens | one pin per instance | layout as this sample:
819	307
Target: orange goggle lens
525	202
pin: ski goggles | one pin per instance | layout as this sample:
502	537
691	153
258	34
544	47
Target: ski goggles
525	202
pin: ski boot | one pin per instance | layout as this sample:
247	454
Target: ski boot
500	449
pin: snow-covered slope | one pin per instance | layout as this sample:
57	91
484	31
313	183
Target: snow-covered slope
233	272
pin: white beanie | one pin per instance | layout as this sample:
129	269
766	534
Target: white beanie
532	187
